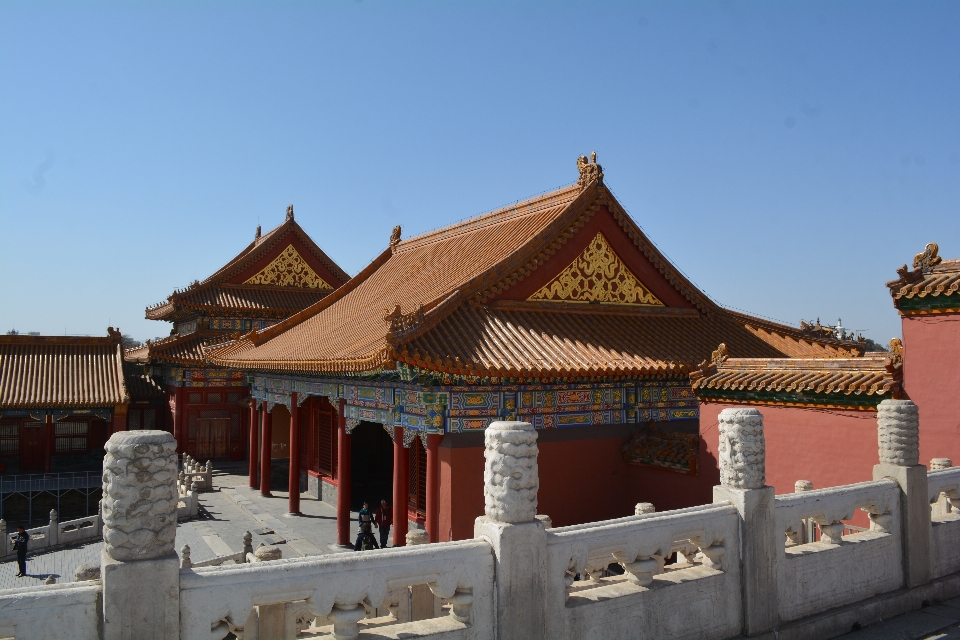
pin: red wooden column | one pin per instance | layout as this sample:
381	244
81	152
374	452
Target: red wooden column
293	481
254	442
343	478
401	481
266	440
47	443
179	412
433	487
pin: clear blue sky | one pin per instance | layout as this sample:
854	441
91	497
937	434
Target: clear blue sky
787	156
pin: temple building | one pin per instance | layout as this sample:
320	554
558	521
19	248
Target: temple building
280	273
60	399
819	413
558	311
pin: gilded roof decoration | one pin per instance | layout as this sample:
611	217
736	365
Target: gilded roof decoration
597	275
289	269
589	171
930	288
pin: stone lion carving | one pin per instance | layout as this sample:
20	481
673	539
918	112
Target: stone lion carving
898	432
139	495
742	449
510	477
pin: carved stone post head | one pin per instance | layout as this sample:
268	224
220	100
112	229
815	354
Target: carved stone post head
802	485
898	433
510	477
940	463
140	495
742	449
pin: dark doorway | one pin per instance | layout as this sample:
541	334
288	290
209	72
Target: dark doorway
372	465
32	450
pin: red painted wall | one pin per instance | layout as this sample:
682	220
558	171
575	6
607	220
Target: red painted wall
931	378
826	446
580	481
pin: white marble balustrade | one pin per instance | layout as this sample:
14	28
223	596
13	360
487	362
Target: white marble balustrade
335	588
943	487
837	569
640	545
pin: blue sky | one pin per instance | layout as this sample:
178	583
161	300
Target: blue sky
787	156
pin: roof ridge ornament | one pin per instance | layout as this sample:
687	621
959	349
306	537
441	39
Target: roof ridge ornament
289	213
395	236
923	262
257	236
896	354
708	368
590	171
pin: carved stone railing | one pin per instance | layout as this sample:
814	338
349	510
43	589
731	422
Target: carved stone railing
864	564
334	589
55	534
193	472
69	610
706	537
186	562
943	488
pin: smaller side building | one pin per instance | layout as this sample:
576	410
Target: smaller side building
927	298
60	399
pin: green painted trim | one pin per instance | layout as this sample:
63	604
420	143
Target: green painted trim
793	398
928	302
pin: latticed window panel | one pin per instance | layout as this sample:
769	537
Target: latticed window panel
417	495
9	438
326	442
70	436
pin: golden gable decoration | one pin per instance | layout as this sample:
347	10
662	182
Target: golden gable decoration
289	269
597	275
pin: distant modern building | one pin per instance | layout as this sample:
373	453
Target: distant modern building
278	274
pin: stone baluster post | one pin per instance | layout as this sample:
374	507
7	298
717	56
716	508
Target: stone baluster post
53	530
423	604
518	538
140	571
6	539
944	504
742	482
807	526
898	433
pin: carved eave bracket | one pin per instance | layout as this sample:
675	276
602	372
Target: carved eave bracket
590	171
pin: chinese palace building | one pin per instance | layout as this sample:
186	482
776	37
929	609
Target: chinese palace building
820	414
558	311
60	399
278	274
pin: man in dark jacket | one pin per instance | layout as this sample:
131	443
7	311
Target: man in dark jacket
365	519
20	546
384	518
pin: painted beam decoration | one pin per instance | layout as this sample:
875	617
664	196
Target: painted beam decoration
665	449
459	409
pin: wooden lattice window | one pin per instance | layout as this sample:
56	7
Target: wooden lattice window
70	436
417	497
214	398
195	398
233	396
9	438
326	442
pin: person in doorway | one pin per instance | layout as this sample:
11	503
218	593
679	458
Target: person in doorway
20	546
383	516
365	539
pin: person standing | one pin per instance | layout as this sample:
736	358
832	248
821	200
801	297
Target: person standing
20	546
365	537
384	518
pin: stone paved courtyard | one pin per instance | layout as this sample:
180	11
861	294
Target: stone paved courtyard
225	514
937	622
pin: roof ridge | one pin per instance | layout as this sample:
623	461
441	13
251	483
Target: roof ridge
503	214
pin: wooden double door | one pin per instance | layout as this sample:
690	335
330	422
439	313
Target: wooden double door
215	434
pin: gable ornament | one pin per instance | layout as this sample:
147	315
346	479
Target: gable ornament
590	171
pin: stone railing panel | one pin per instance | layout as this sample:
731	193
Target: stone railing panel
644	599
838	570
56	611
337	587
943	487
